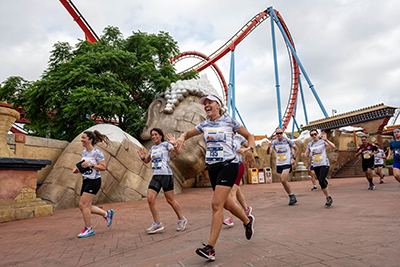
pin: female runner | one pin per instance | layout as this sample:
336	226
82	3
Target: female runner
90	166
222	167
162	177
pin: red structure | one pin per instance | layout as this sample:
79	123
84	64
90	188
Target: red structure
231	44
77	16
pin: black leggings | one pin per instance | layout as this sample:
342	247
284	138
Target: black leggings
321	173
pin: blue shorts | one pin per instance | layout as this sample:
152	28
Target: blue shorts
396	164
312	168
279	169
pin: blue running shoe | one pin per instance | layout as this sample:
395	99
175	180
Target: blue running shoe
109	217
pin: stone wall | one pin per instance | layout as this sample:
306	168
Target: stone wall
32	147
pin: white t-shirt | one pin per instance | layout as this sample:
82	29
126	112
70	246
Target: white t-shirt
238	142
283	151
219	138
159	155
318	153
378	160
93	157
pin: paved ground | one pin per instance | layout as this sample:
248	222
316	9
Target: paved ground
361	229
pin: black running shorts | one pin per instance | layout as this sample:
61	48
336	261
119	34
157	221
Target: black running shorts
224	175
279	169
367	165
164	181
91	186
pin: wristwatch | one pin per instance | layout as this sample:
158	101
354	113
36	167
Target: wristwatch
250	148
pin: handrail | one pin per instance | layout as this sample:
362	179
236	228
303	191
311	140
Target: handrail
355	172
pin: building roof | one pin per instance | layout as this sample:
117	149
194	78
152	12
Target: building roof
352	117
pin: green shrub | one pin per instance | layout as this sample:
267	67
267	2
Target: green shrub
389	162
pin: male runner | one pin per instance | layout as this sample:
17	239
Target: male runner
283	147
367	150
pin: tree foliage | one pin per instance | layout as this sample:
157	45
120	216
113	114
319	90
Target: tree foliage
111	81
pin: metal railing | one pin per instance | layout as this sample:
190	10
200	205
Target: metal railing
355	171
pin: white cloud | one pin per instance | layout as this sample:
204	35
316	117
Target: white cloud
349	48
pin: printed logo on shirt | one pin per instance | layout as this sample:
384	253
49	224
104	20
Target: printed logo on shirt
215	136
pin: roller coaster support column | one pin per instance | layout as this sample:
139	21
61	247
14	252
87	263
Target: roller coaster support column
278	94
270	10
294	121
240	117
303	100
231	86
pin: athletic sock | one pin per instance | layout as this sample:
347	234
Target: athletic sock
158	223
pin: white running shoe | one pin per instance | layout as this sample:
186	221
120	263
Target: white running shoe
182	224
155	228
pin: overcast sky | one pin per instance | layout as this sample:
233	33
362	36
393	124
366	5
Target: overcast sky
350	49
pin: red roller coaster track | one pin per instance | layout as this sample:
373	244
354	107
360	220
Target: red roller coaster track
231	44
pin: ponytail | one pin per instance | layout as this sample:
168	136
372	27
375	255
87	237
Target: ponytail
97	137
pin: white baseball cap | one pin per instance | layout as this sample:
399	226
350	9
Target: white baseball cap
210	97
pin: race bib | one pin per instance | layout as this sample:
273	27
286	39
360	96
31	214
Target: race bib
215	154
317	157
397	152
281	157
156	164
366	156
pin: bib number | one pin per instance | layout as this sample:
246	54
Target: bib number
156	164
317	157
367	156
215	154
281	157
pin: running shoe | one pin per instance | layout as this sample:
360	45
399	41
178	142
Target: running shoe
182	224
314	188
371	187
228	221
249	228
329	202
381	181
207	252
86	232
155	228
248	211
109	217
293	200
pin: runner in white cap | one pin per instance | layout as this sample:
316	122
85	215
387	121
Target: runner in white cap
222	166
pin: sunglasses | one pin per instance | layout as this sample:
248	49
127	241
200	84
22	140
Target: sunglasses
314	134
280	133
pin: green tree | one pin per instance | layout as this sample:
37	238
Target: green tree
111	81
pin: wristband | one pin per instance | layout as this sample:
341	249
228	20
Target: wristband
143	159
250	148
93	165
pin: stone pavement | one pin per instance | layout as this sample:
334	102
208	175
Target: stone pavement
361	229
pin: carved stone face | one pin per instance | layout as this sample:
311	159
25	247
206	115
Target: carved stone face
185	117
